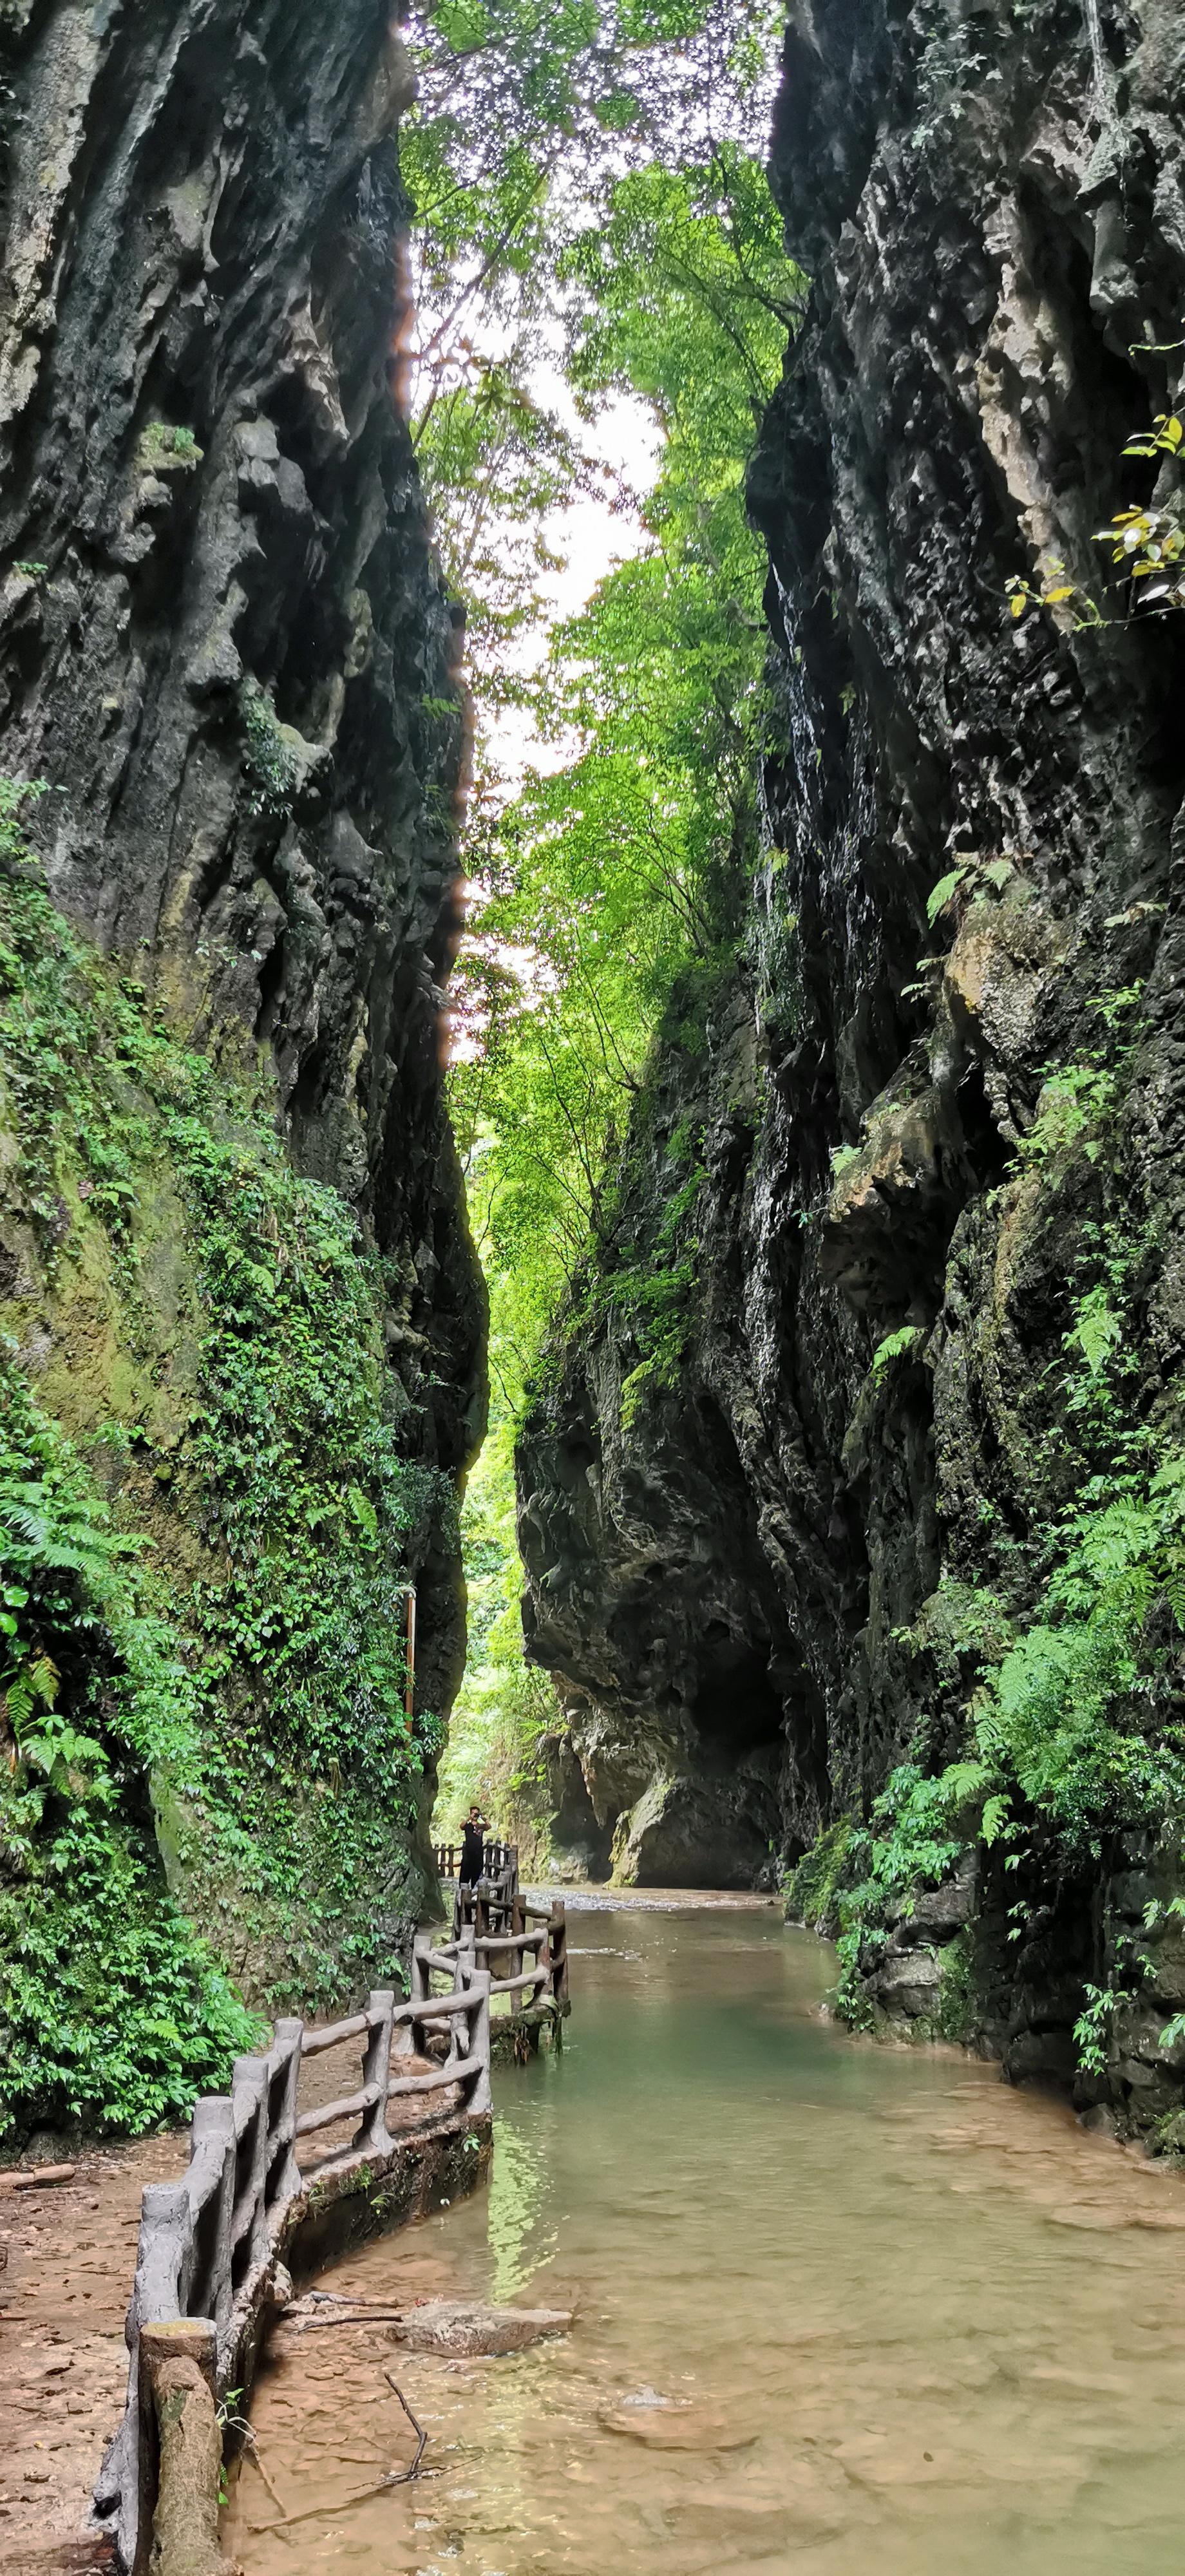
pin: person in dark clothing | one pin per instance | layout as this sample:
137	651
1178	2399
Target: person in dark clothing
473	1847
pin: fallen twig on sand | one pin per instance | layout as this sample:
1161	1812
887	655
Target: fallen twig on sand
339	2299
255	2454
296	2324
310	2512
393	2478
406	2474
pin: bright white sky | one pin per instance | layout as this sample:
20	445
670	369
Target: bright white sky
592	538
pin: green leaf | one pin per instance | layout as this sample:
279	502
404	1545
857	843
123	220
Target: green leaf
364	1512
942	893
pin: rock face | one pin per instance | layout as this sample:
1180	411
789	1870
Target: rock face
748	1584
224	640
461	2327
225	643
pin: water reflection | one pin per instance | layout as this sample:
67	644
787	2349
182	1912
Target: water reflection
837	2306
519	2239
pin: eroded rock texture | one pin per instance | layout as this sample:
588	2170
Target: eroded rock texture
991	205
224	640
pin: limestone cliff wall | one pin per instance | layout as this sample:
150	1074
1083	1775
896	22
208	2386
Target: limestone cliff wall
753	1586
226	650
225	641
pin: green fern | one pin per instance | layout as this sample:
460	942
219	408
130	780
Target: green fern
909	1337
35	1679
59	1533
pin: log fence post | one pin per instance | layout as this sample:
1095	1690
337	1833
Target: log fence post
283	2171
179	2395
477	2021
164	2230
376	2069
162	2245
557	1952
249	2102
207	2290
421	1985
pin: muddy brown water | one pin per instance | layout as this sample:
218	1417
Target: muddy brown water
840	2306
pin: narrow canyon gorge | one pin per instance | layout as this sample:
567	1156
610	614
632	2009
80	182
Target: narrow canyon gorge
935	1107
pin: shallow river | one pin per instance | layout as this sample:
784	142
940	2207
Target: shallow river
901	2317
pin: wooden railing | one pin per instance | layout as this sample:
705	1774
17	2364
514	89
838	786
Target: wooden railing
499	1936
490	1906
208	2245
495	1859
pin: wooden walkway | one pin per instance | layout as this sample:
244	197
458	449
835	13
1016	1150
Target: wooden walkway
207	2220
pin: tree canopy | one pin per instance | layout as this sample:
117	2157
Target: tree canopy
594	223
531	115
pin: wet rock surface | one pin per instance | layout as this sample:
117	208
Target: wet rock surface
463	2327
742	1583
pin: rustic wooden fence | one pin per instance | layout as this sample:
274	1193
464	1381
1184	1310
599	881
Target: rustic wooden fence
209	2245
496	1858
493	1903
500	1934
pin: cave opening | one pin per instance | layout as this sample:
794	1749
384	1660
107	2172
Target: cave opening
736	1709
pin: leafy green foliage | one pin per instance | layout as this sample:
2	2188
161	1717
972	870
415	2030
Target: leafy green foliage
1072	1729
240	1651
497	464
529	117
1053	589
813	1885
950	65
615	882
112	2011
974	879
270	758
164	448
304	1487
911	1841
1147	543
1049	1726
504	1706
906	1340
645	1273
1078	1102
1092	2030
956	2015
1073	1102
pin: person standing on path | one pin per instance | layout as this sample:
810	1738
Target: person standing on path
473	1848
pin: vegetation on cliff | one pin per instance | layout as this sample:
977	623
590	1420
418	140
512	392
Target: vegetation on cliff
1057	1659
234	1262
205	1511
